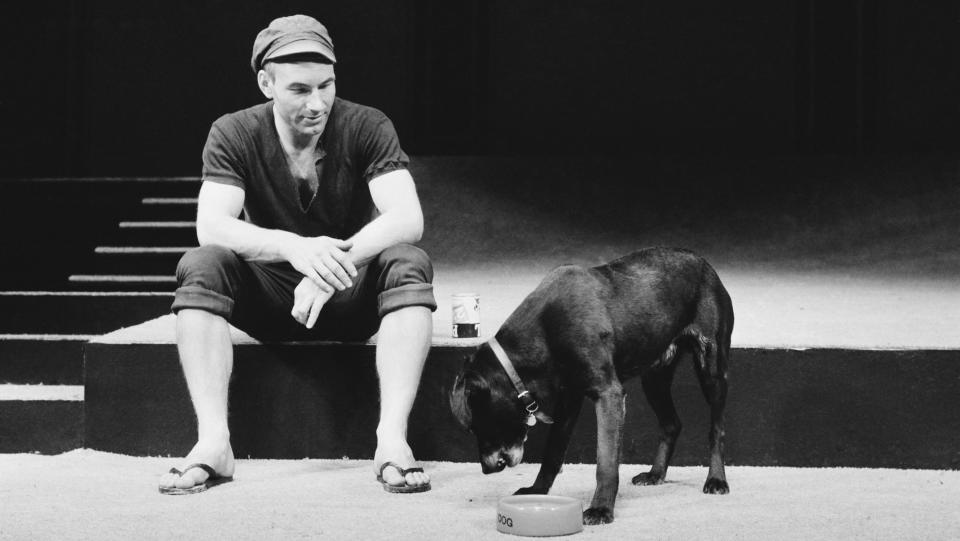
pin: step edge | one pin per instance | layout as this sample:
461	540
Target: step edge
16	392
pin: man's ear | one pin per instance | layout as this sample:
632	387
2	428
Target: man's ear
265	84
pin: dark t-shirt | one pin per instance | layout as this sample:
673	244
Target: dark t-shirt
358	144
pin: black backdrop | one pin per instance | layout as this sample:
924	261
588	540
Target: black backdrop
111	87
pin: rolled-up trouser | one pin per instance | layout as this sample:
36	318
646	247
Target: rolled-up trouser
257	297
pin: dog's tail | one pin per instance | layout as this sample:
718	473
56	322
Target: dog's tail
693	340
705	353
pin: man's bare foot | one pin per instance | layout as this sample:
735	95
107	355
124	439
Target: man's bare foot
398	452
216	454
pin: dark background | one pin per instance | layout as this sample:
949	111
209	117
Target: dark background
109	87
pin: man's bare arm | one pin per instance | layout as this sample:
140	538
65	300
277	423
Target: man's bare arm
400	217
322	259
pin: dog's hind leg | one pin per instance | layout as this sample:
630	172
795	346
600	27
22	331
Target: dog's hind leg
565	418
711	371
656	386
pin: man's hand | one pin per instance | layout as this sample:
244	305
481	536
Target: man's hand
308	300
323	260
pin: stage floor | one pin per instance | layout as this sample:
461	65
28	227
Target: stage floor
92	495
815	252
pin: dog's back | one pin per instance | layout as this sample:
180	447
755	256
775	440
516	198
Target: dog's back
643	306
662	297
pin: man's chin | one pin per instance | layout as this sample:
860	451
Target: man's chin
312	127
311	130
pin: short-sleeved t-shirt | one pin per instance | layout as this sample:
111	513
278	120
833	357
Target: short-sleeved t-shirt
358	144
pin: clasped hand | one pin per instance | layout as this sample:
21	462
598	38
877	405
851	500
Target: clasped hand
326	266
308	300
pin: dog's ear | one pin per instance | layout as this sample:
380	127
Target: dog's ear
543	417
468	388
459	402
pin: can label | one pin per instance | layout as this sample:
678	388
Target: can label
466	315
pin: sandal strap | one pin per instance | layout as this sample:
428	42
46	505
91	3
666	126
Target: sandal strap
211	473
403	472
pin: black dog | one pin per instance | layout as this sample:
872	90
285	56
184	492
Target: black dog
582	332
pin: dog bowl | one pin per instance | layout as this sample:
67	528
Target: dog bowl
539	515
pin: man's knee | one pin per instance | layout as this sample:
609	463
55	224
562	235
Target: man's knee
207	279
405	264
406	278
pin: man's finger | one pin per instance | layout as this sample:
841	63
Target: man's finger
314	311
344	260
317	279
328	276
343	244
314	277
334	266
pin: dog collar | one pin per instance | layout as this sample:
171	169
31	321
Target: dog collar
524	395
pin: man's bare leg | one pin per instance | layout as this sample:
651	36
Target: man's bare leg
402	346
206	354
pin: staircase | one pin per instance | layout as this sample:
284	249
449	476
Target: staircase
105	261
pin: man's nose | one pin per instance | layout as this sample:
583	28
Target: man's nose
316	103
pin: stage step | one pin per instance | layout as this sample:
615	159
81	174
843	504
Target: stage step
44	419
76	312
811	407
48	359
138	234
106	283
165	208
126	260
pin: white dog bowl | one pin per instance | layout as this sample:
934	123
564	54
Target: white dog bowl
539	515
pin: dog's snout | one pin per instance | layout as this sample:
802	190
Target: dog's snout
493	463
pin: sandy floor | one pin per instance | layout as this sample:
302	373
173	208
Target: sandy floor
91	495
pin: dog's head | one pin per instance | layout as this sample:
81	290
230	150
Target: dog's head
485	401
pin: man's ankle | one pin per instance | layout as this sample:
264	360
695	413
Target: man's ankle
391	434
217	436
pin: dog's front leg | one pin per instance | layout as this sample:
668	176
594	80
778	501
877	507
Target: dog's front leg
565	418
610	408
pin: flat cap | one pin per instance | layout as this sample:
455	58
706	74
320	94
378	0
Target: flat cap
296	34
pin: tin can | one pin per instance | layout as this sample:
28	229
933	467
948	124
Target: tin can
466	315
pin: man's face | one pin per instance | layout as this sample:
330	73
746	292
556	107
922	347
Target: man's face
303	94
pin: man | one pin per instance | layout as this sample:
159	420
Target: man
323	251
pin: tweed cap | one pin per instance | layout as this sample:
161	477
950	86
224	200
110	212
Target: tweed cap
296	34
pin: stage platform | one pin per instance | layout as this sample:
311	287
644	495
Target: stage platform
826	371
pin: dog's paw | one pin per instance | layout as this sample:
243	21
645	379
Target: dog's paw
598	515
531	490
716	486
647	479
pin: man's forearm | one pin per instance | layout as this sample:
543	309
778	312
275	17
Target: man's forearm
386	230
248	240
